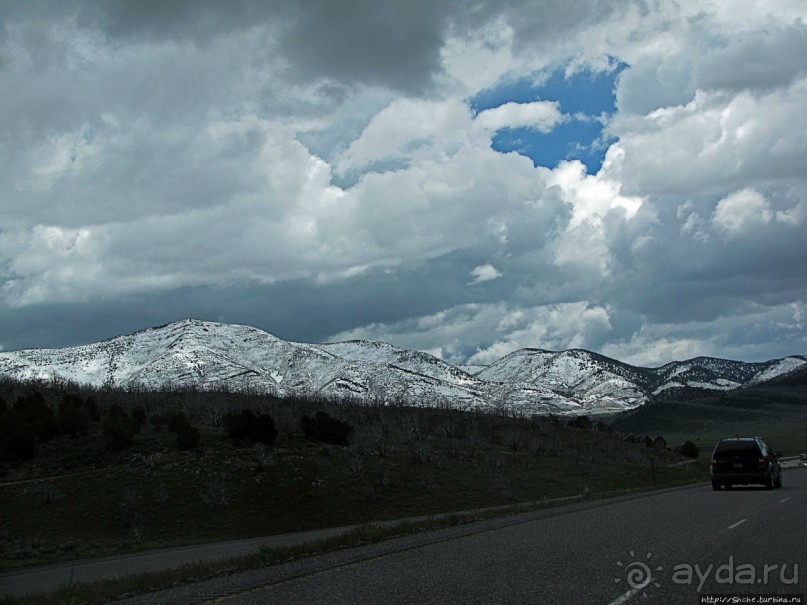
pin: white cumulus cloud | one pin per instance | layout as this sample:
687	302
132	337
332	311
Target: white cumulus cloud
542	116
484	273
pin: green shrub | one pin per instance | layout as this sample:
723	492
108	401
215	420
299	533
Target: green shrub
70	400
324	427
688	449
263	430
73	419
139	416
187	437
116	411
118	429
246	425
38	416
239	426
581	422
17	440
91	406
178	422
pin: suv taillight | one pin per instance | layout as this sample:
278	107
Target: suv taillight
713	463
763	462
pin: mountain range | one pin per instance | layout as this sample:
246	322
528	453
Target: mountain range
217	356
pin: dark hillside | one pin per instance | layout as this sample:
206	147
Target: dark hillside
767	409
796	378
119	471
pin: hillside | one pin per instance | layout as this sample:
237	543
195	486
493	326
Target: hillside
210	356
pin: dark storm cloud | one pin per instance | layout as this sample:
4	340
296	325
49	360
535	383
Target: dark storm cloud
760	60
197	20
678	276
365	41
360	42
315	169
295	310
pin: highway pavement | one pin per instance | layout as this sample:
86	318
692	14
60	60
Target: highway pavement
673	546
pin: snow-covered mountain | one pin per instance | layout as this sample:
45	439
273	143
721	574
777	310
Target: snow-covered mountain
593	380
710	373
215	356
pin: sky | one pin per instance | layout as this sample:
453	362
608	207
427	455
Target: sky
461	178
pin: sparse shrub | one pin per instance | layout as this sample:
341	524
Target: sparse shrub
263	429
116	411
246	425
70	400
688	449
264	458
239	426
580	422
50	494
91	405
516	440
215	494
187	437
73	420
161	494
599	425
131	512
17	440
139	417
419	454
368	494
157	422
324	427
129	504
178	422
118	429
37	415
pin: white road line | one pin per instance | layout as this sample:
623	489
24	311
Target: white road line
628	595
740	522
785	500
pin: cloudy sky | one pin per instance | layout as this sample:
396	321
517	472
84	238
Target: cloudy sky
464	178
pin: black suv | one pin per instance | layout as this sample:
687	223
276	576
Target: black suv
745	460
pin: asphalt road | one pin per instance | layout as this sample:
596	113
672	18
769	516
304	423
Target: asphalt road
31	580
666	547
692	541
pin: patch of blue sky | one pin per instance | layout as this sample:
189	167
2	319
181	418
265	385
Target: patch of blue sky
585	98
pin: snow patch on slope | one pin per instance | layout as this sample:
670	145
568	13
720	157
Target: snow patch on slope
214	356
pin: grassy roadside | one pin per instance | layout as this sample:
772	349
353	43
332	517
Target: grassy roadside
82	498
776	413
106	590
78	499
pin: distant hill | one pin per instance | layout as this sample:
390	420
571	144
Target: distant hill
794	378
777	406
216	356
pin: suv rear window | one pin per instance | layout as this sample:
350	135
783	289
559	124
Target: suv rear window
737	448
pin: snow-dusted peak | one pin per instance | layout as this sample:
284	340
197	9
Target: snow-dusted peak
369	351
778	367
211	355
713	373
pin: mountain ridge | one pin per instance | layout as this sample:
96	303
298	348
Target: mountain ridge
193	353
